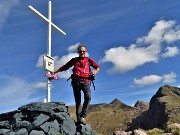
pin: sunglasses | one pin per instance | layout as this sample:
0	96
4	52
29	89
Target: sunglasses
81	51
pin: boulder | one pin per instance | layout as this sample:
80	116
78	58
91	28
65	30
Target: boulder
122	133
135	132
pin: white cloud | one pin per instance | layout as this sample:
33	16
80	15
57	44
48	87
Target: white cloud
170	52
146	49
64	59
15	92
178	85
152	79
148	80
169	78
157	33
125	59
40	85
40	61
5	8
172	35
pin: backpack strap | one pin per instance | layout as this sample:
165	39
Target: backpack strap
89	65
91	78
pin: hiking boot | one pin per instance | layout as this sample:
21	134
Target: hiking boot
82	120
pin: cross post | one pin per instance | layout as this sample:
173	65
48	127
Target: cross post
50	24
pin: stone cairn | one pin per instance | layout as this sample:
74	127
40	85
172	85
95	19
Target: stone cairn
42	119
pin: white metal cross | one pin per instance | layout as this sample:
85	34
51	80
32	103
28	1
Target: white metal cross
48	92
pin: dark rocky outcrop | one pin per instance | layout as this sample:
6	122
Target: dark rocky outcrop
41	119
164	110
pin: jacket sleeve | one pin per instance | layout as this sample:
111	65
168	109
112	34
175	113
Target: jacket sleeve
93	64
67	65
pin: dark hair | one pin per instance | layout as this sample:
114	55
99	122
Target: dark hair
81	46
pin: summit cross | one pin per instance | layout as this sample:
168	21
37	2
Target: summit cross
50	24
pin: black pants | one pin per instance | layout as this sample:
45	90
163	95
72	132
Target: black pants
79	86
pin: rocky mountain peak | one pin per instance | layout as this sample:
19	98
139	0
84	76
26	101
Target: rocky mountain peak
164	110
117	104
116	101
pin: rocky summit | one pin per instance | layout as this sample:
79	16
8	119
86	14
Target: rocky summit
164	110
41	119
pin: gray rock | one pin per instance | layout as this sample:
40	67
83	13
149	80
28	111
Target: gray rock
85	129
22	124
5	124
139	132
18	115
4	131
175	125
12	133
69	127
135	132
22	131
42	118
35	132
45	127
59	116
50	128
122	133
51	107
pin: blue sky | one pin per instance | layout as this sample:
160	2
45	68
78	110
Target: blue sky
136	43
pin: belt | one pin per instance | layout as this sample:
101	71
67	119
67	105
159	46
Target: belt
76	77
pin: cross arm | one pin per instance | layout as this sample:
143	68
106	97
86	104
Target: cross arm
44	18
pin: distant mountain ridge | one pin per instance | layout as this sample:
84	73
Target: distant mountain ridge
115	104
163	110
107	118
